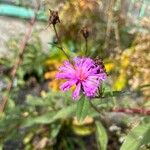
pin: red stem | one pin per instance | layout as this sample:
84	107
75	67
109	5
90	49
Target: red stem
132	111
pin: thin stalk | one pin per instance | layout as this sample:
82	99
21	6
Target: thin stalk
97	110
59	41
19	58
86	45
94	107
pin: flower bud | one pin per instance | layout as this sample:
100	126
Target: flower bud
100	62
85	32
53	18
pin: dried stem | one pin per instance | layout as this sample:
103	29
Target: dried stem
19	58
109	22
117	36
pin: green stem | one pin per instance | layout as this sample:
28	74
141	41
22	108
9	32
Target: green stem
59	41
86	46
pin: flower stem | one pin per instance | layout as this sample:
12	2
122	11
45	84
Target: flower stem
86	46
59	41
97	110
94	107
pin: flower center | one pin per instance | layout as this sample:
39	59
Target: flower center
81	75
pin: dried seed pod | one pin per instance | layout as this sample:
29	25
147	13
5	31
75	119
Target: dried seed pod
54	17
100	62
85	32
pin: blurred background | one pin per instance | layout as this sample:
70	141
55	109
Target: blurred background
37	115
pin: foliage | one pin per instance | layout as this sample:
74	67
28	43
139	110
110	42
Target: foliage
138	137
102	137
49	110
33	58
135	66
82	108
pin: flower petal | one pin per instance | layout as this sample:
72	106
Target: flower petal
76	92
65	76
85	73
89	89
102	76
67	85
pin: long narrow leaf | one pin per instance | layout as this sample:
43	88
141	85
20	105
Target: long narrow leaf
137	137
82	108
101	136
50	116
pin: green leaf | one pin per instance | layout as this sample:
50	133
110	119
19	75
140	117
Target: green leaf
101	136
138	136
114	93
55	128
1	146
50	117
10	104
36	101
82	108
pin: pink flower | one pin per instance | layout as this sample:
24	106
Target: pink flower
84	73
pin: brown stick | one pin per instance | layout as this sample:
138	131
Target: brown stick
19	58
131	111
109	22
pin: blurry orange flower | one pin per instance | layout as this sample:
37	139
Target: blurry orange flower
50	75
